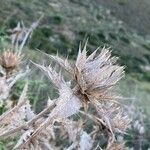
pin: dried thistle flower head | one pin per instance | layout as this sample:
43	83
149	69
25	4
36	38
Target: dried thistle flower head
10	60
95	75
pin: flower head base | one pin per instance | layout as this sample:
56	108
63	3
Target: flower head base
10	61
116	146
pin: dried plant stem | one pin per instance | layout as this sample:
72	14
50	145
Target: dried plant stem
93	118
47	109
33	26
29	123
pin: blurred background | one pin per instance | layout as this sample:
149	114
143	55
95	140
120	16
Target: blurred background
123	25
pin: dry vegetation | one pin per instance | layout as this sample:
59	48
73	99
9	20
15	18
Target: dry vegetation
86	113
90	87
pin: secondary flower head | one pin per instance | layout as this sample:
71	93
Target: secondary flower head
10	60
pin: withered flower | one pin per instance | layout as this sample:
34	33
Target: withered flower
10	60
95	75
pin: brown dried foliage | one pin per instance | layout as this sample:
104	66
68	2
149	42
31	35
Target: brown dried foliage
92	80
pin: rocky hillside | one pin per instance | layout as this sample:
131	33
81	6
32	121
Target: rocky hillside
67	22
134	13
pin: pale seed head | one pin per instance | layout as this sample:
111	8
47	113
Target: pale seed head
10	61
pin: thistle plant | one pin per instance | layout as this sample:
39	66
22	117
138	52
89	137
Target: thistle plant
10	61
92	81
10	71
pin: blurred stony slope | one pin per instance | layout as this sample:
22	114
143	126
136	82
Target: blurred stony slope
135	13
67	22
